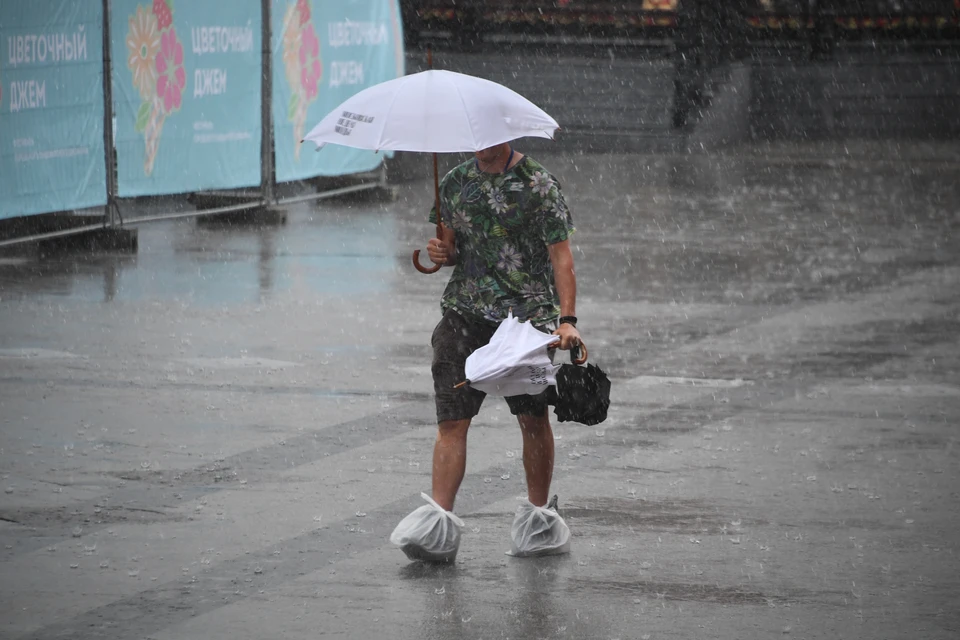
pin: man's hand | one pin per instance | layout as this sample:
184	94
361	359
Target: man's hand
569	336
438	250
443	250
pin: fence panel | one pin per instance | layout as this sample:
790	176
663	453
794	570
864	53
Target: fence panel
186	94
51	106
324	52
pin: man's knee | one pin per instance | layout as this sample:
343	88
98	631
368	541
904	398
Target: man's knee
534	424
452	430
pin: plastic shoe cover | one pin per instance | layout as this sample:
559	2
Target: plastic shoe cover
430	533
539	531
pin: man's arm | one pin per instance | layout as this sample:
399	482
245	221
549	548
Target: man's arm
565	280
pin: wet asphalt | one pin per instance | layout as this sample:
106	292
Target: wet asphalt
213	438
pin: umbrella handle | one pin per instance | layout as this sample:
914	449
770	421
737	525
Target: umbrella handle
436	195
582	350
420	267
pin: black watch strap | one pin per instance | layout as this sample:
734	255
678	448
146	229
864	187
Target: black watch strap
568	320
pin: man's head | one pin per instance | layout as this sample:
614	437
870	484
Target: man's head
490	155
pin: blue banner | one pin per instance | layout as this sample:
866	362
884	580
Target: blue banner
323	53
51	106
186	94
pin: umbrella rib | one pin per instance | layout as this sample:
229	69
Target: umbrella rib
469	122
396	94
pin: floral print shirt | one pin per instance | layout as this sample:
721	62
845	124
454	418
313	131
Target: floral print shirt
504	223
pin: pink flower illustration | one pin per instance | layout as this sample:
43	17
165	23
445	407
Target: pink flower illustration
309	62
303	11
164	16
172	78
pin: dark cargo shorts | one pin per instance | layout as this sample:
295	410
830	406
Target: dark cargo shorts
453	340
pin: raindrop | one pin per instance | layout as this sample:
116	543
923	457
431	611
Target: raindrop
104	564
258	570
74	565
77	532
505	476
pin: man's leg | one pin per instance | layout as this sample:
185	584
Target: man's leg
537	456
449	461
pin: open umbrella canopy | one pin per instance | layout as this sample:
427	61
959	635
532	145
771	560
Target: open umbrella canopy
515	361
433	111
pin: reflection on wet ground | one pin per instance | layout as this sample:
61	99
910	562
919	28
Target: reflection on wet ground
735	228
338	251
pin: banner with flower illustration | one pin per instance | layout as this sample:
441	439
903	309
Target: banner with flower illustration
186	94
323	53
51	106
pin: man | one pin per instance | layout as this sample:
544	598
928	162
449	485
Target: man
506	235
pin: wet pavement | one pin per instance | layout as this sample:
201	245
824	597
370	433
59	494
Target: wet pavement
214	438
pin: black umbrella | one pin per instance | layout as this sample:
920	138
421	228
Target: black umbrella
582	393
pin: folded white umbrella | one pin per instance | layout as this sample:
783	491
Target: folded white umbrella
433	111
515	361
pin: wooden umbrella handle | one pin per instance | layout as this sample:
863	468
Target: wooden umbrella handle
436	200
420	267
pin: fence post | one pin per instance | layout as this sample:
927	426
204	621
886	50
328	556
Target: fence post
267	179
108	151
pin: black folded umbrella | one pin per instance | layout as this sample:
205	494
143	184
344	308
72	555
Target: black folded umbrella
582	393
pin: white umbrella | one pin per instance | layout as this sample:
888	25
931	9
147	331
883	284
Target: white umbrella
515	361
433	111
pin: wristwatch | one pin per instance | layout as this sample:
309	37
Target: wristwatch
568	320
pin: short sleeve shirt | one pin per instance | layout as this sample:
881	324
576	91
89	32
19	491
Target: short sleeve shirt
504	224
